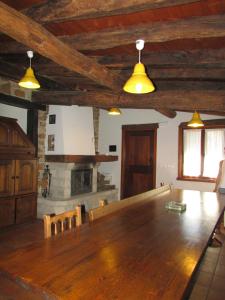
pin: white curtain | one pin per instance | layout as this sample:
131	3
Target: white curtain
192	153
214	151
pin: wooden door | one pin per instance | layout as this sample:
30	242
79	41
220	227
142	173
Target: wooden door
7	177
26	176
138	159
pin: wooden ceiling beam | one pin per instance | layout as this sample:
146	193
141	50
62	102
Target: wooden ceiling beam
192	28
203	57
54	77
182	64
167	112
212	112
187	85
33	35
158	73
187	73
192	70
197	27
175	100
200	77
11	46
161	84
20	102
64	10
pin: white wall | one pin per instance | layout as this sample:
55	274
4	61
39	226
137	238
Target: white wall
74	134
15	112
73	130
110	133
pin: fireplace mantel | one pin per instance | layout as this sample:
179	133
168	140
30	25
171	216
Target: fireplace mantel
80	158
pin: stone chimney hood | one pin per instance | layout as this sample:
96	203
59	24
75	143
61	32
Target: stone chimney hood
72	132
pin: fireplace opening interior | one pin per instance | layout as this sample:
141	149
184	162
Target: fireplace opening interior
81	181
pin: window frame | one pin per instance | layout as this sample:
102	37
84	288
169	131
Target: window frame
208	124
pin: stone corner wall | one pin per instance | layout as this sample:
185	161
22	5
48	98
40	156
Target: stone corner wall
42	119
96	114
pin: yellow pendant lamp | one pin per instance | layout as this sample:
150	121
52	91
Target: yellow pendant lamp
114	111
29	81
139	82
196	121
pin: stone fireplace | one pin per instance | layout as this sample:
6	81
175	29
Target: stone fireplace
74	181
74	177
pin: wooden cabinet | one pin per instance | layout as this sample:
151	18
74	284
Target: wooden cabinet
18	175
13	141
26	208
25	176
6	175
7	211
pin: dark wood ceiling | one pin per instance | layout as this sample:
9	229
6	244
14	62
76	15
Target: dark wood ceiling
85	51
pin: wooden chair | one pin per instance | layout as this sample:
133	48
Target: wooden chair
103	202
220	229
54	224
102	211
220	176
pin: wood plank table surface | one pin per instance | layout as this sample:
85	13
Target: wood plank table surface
140	252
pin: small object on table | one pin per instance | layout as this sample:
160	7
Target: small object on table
176	206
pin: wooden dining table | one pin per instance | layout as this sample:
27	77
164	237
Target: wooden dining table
143	251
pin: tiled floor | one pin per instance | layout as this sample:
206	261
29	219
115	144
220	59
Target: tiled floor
209	282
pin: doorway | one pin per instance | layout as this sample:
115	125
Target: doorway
138	165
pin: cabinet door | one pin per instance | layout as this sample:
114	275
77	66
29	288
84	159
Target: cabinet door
25	176
7	177
26	208
5	135
7	211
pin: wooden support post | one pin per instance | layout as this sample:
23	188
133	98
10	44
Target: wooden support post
32	127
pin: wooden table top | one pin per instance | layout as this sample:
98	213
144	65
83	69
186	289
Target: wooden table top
140	252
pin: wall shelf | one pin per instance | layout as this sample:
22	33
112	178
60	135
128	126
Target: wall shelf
81	158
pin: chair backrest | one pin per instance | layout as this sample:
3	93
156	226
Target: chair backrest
103	202
116	205
54	224
220	180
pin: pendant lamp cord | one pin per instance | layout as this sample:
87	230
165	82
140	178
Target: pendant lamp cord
139	56
30	62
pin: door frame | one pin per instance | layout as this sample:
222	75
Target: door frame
137	127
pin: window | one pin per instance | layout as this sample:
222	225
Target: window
201	150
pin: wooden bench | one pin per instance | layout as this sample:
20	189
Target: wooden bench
104	210
54	224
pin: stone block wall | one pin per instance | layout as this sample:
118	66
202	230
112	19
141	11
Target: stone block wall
42	119
89	200
96	114
13	89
